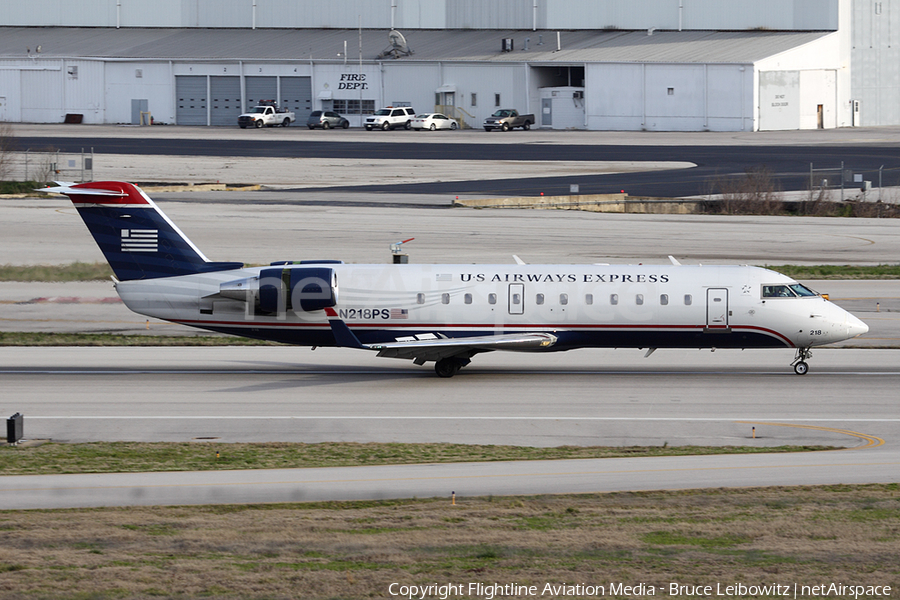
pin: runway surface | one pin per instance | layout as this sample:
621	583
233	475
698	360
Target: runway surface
585	398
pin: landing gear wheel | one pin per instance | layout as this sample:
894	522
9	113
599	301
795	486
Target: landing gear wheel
799	364
448	367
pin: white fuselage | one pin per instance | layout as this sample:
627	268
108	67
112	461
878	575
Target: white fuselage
584	305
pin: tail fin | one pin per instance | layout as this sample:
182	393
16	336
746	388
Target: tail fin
137	238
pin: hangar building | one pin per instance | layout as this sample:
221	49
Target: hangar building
675	65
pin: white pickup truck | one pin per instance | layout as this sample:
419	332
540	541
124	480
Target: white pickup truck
266	114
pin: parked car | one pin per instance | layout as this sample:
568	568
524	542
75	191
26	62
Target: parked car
390	117
326	120
508	118
433	121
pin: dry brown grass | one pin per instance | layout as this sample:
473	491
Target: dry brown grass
848	534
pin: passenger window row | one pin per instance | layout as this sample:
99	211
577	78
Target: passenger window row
539	299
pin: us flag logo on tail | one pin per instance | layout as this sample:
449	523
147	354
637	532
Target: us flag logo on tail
140	240
399	313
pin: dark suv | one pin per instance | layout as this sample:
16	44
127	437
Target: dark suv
326	120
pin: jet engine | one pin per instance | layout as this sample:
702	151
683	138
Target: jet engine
277	290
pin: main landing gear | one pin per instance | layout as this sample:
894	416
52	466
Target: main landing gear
450	366
799	364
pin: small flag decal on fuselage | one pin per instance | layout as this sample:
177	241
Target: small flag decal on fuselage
399	313
140	240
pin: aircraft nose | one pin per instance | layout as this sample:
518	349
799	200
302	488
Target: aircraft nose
855	327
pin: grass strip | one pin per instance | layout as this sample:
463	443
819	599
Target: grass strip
135	457
76	271
30	338
80	271
801	272
809	536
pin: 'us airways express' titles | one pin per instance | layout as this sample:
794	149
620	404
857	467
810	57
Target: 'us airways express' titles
566	277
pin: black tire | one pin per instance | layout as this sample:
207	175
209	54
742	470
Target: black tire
258	123
526	126
385	126
433	126
286	122
408	125
505	127
242	126
311	127
368	128
447	367
453	125
488	129
801	368
326	125
345	124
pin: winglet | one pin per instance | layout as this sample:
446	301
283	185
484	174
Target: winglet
674	261
342	334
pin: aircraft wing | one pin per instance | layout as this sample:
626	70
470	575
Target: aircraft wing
431	347
422	350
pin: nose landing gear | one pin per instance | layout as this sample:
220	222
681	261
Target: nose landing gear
799	364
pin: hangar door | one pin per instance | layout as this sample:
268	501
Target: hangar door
225	103
190	92
260	88
296	96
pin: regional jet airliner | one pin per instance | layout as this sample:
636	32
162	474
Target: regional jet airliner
450	313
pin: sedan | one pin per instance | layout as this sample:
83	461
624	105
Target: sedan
326	120
433	121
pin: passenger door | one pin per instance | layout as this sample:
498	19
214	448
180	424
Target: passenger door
717	308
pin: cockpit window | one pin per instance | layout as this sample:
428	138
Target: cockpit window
792	290
777	291
802	290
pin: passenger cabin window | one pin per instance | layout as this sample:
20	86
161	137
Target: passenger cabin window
420	298
445	298
539	299
639	299
468	298
664	299
563	299
688	299
516	299
492	298
588	299
614	299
